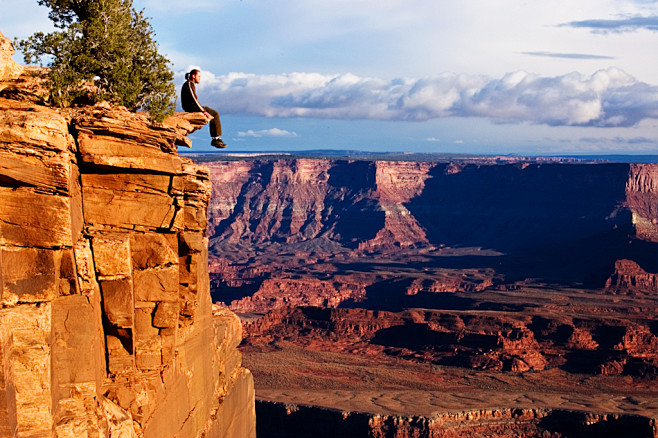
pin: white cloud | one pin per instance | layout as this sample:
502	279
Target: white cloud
606	98
273	132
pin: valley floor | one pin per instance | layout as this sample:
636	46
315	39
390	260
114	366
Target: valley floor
291	374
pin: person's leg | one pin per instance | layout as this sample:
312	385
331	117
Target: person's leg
215	124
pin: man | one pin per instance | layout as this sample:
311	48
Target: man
190	103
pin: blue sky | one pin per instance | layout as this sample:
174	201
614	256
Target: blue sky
473	76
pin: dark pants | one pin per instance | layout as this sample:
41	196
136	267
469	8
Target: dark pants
215	124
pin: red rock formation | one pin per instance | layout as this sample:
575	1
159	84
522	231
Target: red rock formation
492	341
276	293
642	195
293	221
20	82
629	276
270	199
294	201
299	421
469	280
581	339
397	183
266	289
8	68
106	323
387	205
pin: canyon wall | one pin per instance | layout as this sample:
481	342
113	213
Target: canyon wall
485	225
392	204
106	324
642	193
301	421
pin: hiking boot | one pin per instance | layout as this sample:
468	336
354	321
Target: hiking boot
218	143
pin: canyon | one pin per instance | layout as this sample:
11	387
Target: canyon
107	328
147	294
468	297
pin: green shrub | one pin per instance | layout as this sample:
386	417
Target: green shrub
104	50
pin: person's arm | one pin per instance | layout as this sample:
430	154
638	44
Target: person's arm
191	104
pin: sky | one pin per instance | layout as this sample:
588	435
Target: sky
523	77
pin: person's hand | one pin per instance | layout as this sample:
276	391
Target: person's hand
208	116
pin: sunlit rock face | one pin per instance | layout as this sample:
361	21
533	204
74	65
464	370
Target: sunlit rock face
642	193
8	68
106	323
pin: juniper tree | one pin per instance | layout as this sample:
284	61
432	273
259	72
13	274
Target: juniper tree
109	43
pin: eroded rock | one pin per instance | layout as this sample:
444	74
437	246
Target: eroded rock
106	324
8	68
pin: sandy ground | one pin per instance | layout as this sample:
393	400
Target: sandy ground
296	375
427	403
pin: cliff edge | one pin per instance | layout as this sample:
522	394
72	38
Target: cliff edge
106	323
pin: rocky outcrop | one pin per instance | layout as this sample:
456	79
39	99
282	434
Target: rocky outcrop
629	276
642	194
339	290
106	323
493	341
20	82
276	293
301	421
8	68
397	183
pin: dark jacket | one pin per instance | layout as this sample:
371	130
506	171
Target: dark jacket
189	100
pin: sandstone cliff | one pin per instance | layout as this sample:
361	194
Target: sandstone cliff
395	204
357	204
629	276
106	324
642	194
440	227
8	68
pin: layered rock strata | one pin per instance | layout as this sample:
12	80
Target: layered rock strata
359	204
450	227
388	205
106	325
493	341
642	194
301	421
629	276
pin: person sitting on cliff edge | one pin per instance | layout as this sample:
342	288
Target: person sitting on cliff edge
190	103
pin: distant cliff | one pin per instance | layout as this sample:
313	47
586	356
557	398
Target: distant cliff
557	222
353	203
642	195
106	323
368	205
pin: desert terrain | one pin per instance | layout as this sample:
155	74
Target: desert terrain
442	298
